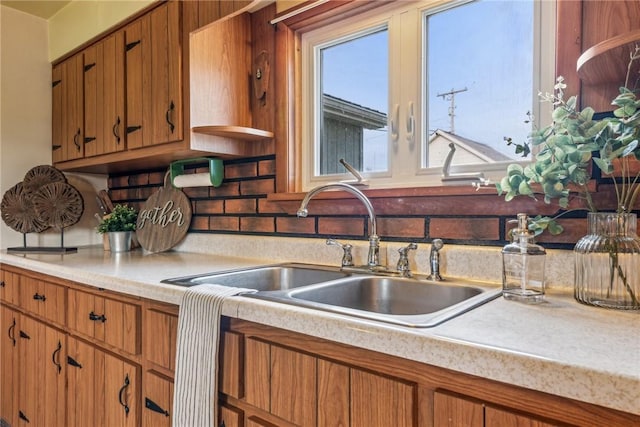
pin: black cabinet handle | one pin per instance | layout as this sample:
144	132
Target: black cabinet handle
131	129
97	317
2	285
116	130
131	45
222	424
39	297
73	362
168	116
121	393
150	404
12	333
56	360
76	137
23	417
24	335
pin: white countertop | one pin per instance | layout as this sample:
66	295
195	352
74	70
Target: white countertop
559	347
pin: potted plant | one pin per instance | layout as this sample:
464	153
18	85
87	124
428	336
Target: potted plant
119	226
607	263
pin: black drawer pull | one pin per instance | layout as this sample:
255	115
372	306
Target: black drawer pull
39	297
2	285
23	416
24	335
150	404
97	317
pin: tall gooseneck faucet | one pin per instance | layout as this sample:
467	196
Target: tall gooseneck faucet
374	241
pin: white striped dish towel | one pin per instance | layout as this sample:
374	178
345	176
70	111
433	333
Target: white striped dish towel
195	396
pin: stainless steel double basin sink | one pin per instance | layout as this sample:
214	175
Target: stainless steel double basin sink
414	302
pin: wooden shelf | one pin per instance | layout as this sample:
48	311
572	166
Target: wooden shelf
607	61
237	132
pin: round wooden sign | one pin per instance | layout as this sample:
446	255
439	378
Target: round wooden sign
163	220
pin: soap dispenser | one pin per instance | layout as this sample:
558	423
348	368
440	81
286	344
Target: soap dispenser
523	265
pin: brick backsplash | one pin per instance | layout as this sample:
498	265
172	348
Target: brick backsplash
240	206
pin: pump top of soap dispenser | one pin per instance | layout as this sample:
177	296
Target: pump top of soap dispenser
522	238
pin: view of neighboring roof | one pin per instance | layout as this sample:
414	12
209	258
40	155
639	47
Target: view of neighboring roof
478	148
348	111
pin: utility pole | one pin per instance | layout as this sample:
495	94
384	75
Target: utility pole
452	108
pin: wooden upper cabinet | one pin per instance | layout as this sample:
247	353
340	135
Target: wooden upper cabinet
154	77
104	96
67	109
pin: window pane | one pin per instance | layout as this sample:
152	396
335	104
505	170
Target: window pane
480	80
354	100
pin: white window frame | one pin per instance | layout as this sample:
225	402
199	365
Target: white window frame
406	158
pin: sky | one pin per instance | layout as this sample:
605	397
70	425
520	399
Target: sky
466	48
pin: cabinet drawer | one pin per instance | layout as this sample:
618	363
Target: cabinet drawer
160	334
113	322
9	287
44	299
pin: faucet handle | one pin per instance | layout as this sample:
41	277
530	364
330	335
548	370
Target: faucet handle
403	261
434	260
347	258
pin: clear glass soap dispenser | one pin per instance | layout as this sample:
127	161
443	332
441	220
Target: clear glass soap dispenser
523	265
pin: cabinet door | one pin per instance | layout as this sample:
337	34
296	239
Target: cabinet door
8	366
67	109
160	335
158	401
453	411
381	401
103	388
154	77
104	96
41	395
57	114
293	386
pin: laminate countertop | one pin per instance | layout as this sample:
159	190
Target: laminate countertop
559	347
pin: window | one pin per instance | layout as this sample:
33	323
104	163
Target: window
391	91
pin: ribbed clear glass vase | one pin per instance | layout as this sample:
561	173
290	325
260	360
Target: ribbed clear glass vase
607	262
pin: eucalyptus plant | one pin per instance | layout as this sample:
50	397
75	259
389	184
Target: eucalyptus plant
570	145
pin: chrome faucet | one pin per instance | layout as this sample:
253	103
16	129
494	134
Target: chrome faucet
373	259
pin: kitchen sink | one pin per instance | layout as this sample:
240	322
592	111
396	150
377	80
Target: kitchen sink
266	278
415	302
403	301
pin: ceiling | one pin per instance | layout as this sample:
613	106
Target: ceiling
43	8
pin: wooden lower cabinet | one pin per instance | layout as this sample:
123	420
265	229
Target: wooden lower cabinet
33	378
9	366
291	379
103	390
307	390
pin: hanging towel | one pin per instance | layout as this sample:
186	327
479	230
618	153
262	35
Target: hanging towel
196	381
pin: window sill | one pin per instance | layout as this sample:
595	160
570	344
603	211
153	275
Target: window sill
386	193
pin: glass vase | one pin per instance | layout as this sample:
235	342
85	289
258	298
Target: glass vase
607	262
